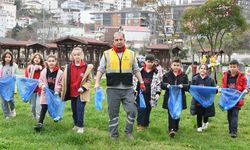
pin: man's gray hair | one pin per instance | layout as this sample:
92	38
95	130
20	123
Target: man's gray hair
119	33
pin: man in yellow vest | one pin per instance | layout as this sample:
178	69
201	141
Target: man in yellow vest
119	64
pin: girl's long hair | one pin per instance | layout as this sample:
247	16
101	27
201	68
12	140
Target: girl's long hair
33	57
4	55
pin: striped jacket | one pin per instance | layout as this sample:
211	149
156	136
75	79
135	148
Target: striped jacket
155	87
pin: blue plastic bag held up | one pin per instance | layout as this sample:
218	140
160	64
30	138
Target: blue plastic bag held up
99	96
142	100
7	87
26	87
203	94
175	101
55	105
229	98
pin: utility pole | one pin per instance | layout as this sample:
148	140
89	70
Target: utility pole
43	40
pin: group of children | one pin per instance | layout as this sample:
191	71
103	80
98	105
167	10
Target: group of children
232	78
74	83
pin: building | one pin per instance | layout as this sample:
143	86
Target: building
177	11
70	12
8	5
7	22
126	17
7	1
48	5
25	21
120	4
53	33
136	36
102	5
245	6
33	5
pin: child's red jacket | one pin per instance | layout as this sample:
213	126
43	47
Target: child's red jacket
241	84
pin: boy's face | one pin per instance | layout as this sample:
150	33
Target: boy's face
149	64
77	55
233	68
51	62
175	66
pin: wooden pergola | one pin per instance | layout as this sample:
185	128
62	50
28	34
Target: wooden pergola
161	52
25	48
14	46
44	49
92	48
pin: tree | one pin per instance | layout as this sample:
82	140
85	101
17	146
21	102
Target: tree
14	32
211	21
236	42
164	15
24	35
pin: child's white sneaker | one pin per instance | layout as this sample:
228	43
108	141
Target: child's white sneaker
13	113
75	128
199	129
80	130
205	126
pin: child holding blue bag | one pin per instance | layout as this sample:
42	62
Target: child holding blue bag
51	77
152	82
33	71
203	79
234	79
174	77
8	68
76	86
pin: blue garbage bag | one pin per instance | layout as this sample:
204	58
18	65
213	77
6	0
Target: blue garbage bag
55	105
99	96
7	87
142	100
229	98
175	101
26	87
203	94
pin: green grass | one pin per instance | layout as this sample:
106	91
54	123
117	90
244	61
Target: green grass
18	133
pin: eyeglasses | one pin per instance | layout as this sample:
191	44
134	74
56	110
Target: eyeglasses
119	40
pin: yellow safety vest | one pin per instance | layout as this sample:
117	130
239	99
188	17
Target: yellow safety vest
119	70
115	65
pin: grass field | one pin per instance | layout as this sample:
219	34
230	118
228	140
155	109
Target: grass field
18	133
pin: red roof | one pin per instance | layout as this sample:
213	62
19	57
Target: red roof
82	40
51	45
135	28
13	42
158	47
47	45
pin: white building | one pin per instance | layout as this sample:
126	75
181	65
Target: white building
7	1
48	5
34	5
8	5
136	36
120	4
7	22
25	21
58	32
70	12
